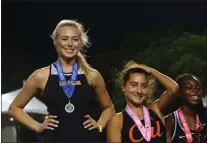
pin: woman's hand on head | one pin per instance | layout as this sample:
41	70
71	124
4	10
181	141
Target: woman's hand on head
49	123
144	67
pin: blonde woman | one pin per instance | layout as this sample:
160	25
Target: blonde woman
67	87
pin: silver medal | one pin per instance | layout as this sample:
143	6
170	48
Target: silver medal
69	107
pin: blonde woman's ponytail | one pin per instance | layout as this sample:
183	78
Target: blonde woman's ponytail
85	67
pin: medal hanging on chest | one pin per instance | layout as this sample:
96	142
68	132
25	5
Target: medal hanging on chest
69	107
145	130
68	89
185	126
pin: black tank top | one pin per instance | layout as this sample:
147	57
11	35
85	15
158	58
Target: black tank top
130	132
178	133
70	127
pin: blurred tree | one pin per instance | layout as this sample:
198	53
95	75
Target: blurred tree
172	55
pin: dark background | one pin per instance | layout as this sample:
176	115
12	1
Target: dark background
26	29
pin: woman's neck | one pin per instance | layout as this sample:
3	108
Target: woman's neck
190	114
137	109
67	64
188	111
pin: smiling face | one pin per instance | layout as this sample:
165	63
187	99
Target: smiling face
68	41
191	90
136	89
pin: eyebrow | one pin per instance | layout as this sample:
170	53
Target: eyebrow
70	36
137	82
188	83
192	82
196	85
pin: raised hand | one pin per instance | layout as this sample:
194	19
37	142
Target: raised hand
144	67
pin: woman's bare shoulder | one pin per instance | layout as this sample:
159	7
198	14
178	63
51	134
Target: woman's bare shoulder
116	119
41	73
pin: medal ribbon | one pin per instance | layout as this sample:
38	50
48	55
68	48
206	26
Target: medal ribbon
185	126
68	89
145	130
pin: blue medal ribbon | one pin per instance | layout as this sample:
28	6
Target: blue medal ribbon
68	89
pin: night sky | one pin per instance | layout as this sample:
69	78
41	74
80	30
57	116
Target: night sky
26	29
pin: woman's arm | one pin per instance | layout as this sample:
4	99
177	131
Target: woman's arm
169	96
113	131
104	100
31	87
169	124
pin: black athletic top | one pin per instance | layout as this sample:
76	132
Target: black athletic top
130	132
178	132
70	127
